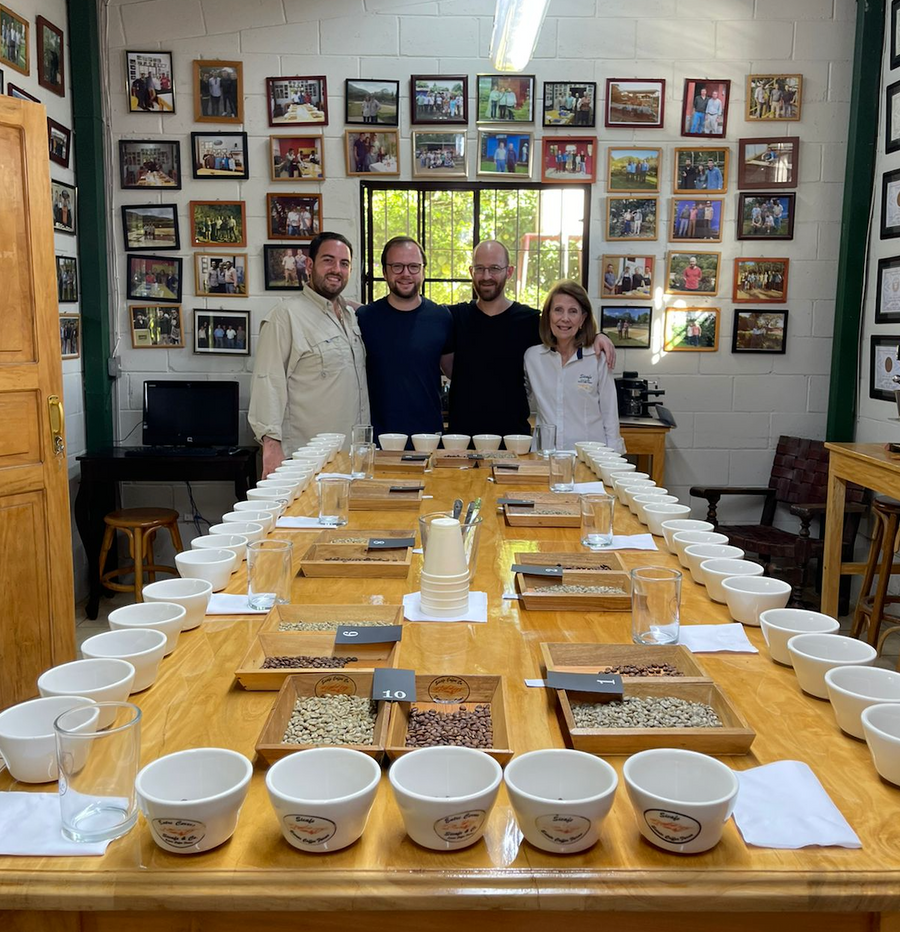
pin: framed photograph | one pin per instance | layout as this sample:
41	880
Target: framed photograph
505	154
884	367
149	82
705	107
218	91
437	98
218	223
887	295
570	103
297	100
149	163
766	216
1	81
294	216
696	220
15	91
221	333
769	162
693	273
632	218
890	204
439	155
14	41
760	281
220	155
505	98
150	226
895	34
70	335
759	332
773	96
371	101
691	330
220	275
372	153
569	159
296	158
285	267
892	118
60	141
51	56
156	326
627	326
632	103
66	279
627	277
63	197
156	277
701	168
632	169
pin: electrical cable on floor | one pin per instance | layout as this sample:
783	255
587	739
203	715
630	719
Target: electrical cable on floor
196	517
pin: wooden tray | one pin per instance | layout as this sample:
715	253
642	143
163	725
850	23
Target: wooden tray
251	675
332	614
392	461
569	560
373	495
456	459
594	658
531	517
735	737
447	693
355	560
548	601
269	745
334	535
528	473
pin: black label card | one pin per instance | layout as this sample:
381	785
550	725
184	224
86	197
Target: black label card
389	685
390	543
475	456
414	457
406	488
607	683
518	502
534	569
368	634
506	465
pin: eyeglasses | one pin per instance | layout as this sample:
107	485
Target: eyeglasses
412	267
493	270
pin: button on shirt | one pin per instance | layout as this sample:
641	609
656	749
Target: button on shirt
310	372
578	397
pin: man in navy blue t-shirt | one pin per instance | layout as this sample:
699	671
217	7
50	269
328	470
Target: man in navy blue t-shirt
407	338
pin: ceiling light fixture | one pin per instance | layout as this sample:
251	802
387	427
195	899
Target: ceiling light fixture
517	25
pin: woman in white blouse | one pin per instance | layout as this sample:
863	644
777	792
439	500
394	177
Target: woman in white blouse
567	384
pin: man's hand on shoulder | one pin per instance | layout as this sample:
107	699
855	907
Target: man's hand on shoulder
603	344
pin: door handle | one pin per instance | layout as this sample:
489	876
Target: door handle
57	425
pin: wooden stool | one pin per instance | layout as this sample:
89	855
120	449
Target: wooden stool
141	525
870	608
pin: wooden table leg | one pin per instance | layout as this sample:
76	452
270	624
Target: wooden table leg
834	532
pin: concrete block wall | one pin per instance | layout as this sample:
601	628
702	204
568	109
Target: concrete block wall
730	409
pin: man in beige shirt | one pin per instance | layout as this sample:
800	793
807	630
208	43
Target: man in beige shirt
310	369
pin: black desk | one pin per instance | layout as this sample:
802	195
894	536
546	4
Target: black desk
103	470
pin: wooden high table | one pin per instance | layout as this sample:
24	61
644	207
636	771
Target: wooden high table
385	881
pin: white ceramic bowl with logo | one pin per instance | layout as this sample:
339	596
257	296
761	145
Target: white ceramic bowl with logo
486	443
520	444
560	797
455	443
167	617
425	443
322	797
101	680
881	725
747	597
852	690
695	554
681	540
445	795
392	442
813	655
143	648
212	565
779	625
715	572
192	799
192	595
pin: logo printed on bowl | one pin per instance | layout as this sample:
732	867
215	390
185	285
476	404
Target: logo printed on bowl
448	689
563	829
673	827
179	833
460	826
335	684
309	829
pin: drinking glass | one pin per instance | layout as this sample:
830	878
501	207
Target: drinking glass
545	439
97	769
562	472
597	511
362	433
334	500
362	460
269	573
655	603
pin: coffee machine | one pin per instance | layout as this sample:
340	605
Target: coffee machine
634	397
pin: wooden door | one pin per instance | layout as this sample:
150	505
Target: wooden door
37	623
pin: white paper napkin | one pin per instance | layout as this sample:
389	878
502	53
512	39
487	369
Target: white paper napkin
783	805
334	475
412	609
226	603
583	487
708	639
30	825
302	521
631	542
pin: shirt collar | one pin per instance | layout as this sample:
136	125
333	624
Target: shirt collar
324	304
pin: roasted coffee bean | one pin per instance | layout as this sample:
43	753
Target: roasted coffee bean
460	728
649	669
284	663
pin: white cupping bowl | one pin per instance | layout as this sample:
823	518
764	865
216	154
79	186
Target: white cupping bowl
747	597
520	444
881	724
715	572
392	441
263	518
143	648
853	689
102	680
673	527
813	655
236	543
695	554
251	530
651	497
487	443
681	540
274	508
656	514
212	565
191	594
283	495
609	465
425	443
455	443
779	625
167	617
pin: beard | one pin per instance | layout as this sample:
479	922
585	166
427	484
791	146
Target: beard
489	288
404	291
328	286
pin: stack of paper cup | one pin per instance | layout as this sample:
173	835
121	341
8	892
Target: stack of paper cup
445	574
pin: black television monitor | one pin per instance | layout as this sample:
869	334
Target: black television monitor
192	414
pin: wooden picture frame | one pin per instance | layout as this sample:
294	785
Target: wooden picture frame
892	117
150	227
569	159
895	34
157	278
503	108
2	81
220	275
887	291
63	197
307	223
766	216
627	326
66	280
51	56
146	164
207	342
884	366
222	102
15	42
370	154
633	169
70	336
16	92
219	156
156	326
297	100
157	66
679	280
696	220
279	275
438	98
691	329
59	142
768	162
890	204
631	218
617	277
491	142
296	158
363	95
569	103
439	154
760	280
772	98
760	332
703	123
218	223
635	103
693	171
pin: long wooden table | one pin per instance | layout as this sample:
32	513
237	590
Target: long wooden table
385	881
